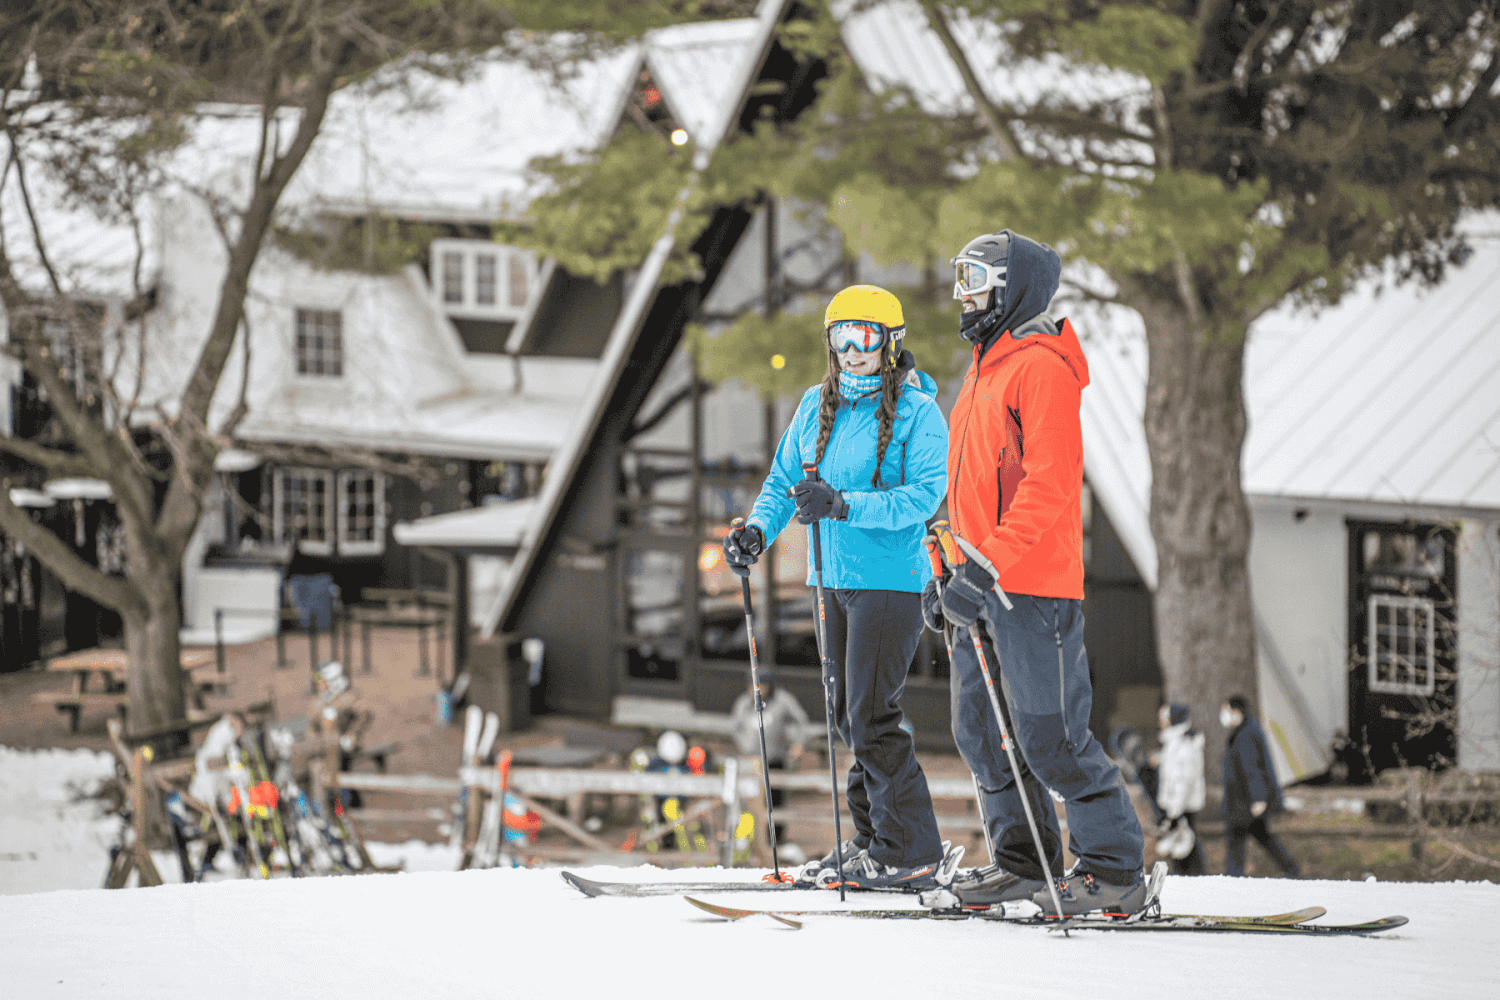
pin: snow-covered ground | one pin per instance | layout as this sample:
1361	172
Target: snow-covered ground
520	933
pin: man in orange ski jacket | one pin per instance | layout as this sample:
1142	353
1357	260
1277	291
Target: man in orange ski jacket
1015	477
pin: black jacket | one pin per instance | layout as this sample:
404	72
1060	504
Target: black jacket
1248	777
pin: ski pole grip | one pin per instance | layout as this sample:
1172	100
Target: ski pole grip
942	531
811	469
932	554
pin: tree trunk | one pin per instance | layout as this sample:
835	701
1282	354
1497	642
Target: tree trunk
1195	432
151	641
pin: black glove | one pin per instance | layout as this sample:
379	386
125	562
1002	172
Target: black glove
963	597
741	548
817	500
932	608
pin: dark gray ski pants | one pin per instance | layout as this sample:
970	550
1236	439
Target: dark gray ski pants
872	637
1047	695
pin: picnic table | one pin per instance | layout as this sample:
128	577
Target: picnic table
394	614
111	666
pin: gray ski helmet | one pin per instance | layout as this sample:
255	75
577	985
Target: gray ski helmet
981	265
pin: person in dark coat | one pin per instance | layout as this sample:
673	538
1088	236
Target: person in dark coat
1251	794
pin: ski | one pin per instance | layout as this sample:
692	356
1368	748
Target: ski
589	887
1243	927
1293	922
922	913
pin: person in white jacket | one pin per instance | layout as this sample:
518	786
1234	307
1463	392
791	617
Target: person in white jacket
1180	790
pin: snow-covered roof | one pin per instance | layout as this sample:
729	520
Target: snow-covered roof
23	497
78	489
493	526
431	148
93	257
698	67
488	424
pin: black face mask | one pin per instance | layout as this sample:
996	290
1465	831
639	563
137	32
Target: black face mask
979	326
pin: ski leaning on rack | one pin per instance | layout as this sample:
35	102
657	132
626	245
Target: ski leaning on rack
1280	923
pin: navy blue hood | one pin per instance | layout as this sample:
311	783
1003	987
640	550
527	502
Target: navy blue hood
1032	276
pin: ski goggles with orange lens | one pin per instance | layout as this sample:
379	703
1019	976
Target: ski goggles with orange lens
974	277
859	335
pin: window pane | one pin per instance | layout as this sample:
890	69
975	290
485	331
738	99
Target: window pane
304	513
1401	647
484	279
359	511
453	277
320	342
518	288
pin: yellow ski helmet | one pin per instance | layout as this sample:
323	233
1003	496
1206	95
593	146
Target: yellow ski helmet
859	305
870	303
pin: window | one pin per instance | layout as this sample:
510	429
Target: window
1401	645
484	280
320	342
478	279
323	512
302	509
453	277
361	513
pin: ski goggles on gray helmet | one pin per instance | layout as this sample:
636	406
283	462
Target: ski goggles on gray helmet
859	335
981	265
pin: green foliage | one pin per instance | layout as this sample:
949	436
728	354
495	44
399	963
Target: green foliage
621	20
1139	39
1149	37
608	208
373	244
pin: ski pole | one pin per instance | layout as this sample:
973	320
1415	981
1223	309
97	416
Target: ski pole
937	578
820	622
760	708
946	538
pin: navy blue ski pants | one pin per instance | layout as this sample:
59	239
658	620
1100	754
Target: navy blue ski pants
1043	683
872	637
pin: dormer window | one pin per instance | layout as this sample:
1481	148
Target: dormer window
478	279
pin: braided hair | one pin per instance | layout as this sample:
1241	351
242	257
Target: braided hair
891	377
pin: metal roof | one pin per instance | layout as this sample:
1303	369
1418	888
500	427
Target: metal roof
1391	397
893	45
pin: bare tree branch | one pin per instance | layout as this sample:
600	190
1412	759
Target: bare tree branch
982	103
57	463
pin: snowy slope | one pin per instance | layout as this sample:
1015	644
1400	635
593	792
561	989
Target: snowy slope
521	933
524	933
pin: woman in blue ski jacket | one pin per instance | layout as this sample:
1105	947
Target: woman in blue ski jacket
879	441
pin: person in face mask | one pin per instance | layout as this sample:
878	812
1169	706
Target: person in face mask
1015	479
1251	794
